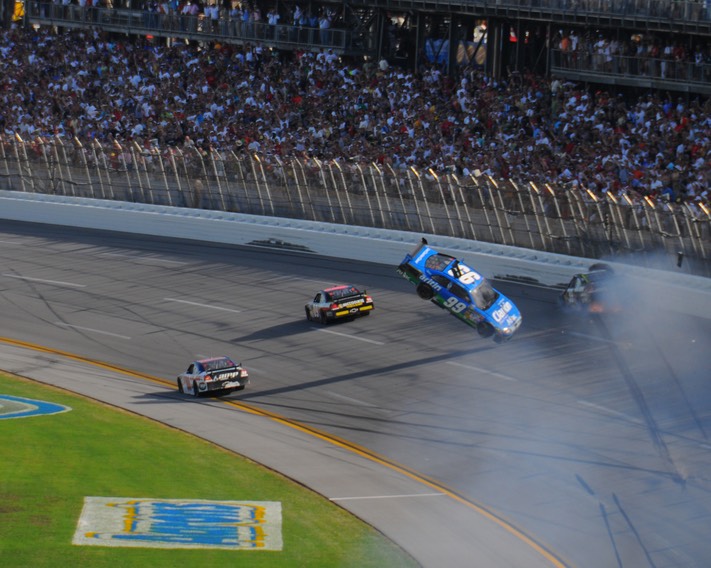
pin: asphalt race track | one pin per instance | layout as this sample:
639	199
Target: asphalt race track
588	435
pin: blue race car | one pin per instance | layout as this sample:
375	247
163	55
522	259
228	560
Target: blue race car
462	291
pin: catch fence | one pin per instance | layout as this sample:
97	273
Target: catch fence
550	217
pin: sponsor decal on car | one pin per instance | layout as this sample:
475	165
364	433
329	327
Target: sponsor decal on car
500	314
353	303
428	280
179	523
424	254
232	375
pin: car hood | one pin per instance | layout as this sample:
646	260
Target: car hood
504	312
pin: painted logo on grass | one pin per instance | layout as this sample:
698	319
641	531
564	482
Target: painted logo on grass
179	523
18	407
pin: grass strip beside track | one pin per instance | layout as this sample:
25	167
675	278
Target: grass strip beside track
50	463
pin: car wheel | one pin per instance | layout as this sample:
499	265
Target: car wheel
180	386
499	339
324	318
196	390
425	291
485	330
308	313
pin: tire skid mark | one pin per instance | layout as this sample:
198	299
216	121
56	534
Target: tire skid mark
606	520
638	396
633	529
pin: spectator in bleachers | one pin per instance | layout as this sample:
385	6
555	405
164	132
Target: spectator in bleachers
82	84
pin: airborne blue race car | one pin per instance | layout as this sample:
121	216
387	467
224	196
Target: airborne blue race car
462	291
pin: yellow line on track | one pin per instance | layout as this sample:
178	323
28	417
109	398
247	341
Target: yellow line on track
335	440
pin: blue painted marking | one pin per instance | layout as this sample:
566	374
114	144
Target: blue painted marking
18	407
198	523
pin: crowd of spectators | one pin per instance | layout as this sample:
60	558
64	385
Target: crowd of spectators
84	85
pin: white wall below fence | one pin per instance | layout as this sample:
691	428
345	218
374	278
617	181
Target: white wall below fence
688	294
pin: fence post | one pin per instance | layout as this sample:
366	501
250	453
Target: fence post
367	197
415	200
67	166
20	143
266	183
618	221
525	217
502	207
444	201
559	214
306	186
344	218
453	196
322	175
424	197
217	178
106	167
256	181
404	208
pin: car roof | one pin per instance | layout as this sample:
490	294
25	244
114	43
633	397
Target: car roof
339	287
212	359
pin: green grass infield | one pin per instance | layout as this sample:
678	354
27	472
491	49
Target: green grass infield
50	463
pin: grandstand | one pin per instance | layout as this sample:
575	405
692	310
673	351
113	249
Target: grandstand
525	155
660	45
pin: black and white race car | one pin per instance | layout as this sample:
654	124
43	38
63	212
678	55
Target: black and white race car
339	302
217	375
596	291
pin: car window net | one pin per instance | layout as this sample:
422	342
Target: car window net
343	293
484	295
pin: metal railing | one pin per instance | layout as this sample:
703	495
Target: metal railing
632	70
679	14
198	28
553	218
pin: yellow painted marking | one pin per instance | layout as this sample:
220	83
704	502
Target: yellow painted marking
335	440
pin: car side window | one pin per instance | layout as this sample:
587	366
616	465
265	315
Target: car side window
317	299
191	369
460	292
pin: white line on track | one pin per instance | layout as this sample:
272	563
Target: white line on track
387	496
349	336
480	370
591	337
198	304
144	258
350	399
62	324
320	283
43	281
609	411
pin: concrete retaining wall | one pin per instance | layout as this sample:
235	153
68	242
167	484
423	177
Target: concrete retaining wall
691	294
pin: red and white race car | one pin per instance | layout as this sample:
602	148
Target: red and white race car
213	375
339	302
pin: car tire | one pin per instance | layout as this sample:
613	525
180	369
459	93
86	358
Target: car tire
196	390
324	318
308	313
180	386
485	330
425	291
